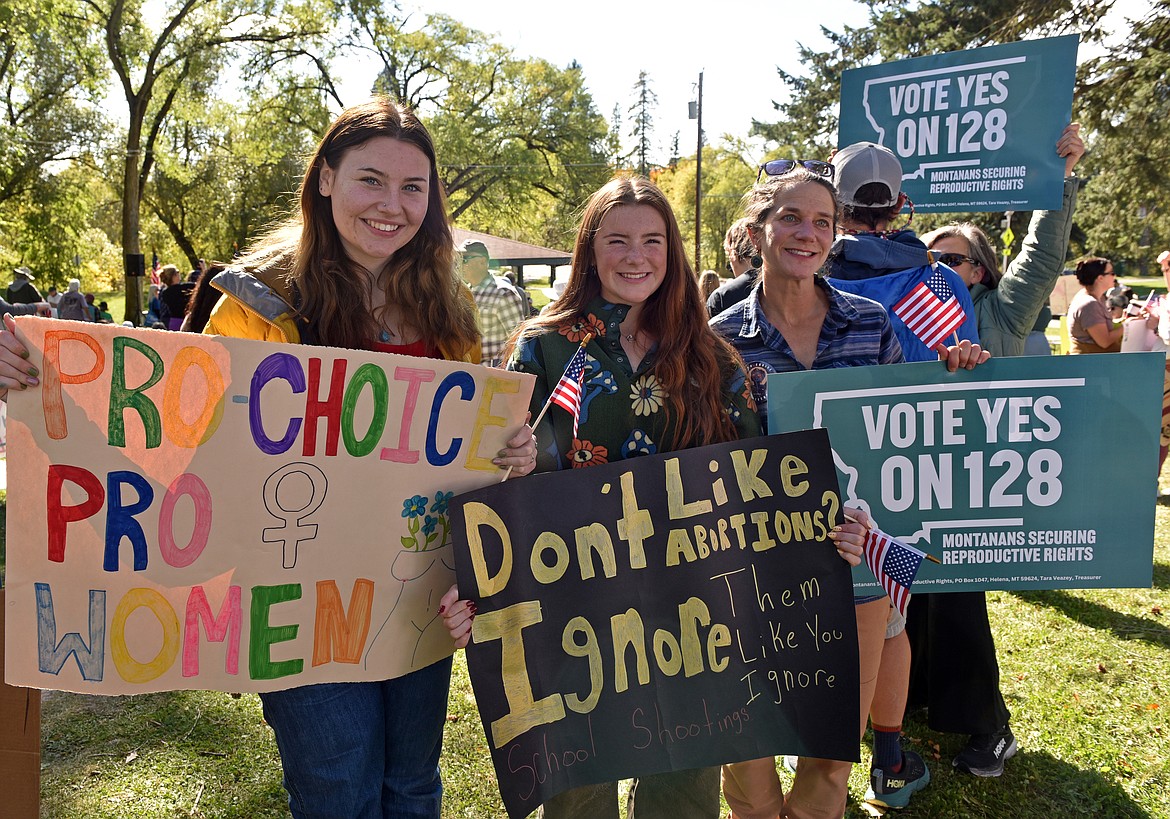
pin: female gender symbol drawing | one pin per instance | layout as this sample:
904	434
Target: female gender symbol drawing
283	488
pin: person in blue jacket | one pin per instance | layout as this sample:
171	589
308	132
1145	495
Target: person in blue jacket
868	259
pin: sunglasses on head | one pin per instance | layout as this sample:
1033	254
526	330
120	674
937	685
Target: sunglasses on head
953	259
779	167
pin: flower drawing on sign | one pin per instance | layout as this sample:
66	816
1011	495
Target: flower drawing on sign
413	507
442	499
426	531
426	545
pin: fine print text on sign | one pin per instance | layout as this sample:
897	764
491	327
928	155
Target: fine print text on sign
1005	473
974	130
669	612
199	512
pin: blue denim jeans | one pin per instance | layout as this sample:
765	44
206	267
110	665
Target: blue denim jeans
363	750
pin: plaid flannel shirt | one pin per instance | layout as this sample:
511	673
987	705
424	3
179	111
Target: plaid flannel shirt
501	309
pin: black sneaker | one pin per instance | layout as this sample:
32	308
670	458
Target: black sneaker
893	790
986	753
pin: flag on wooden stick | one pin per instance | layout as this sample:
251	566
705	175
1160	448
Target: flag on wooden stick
894	564
567	393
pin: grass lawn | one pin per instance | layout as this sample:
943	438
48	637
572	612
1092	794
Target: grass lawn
117	303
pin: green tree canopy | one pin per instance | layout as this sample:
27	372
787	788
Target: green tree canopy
641	113
50	84
1125	101
183	58
520	142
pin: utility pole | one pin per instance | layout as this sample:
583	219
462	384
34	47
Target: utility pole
699	176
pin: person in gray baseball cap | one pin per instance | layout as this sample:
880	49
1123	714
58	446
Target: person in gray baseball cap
958	673
870	257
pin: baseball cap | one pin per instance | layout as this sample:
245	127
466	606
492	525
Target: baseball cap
861	164
473	246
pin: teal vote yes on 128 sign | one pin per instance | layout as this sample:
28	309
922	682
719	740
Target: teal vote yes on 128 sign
1034	472
974	130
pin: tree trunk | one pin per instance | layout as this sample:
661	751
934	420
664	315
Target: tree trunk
131	208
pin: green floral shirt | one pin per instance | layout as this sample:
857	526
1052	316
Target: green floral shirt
624	413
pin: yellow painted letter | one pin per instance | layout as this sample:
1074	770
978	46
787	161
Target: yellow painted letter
747	475
475	515
484	419
524	712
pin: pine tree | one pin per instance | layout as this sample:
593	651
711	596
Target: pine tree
641	111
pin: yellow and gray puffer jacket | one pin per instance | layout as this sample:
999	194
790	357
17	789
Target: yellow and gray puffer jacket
258	305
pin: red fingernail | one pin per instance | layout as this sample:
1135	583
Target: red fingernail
442	609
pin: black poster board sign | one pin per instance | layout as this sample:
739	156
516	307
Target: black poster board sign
711	571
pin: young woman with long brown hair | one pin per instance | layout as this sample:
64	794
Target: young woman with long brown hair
631	286
657	379
368	265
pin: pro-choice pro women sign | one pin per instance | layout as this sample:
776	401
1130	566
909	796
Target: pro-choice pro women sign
192	511
974	130
1024	473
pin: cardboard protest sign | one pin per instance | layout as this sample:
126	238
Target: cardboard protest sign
193	512
1025	473
660	613
974	130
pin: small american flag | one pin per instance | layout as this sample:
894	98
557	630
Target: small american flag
894	564
930	310
567	393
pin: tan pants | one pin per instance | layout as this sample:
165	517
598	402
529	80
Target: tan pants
752	788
